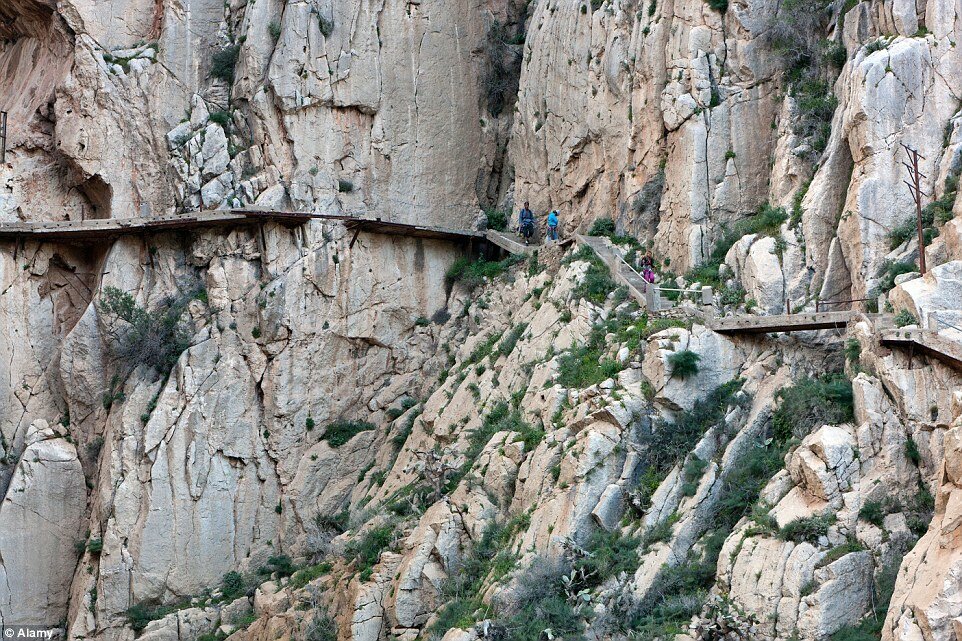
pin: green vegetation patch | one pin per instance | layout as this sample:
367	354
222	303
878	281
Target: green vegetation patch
367	550
767	221
156	337
340	432
471	274
811	403
489	560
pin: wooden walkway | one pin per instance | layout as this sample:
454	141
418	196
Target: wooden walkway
924	341
750	324
104	230
509	242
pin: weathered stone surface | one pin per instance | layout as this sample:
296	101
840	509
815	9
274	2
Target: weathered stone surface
41	520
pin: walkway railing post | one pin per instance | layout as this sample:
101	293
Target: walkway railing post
3	136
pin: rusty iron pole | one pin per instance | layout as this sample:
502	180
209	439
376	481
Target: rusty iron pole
916	176
3	136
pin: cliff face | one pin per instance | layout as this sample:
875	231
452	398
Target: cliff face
189	419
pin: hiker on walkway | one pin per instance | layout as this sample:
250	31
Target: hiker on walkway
553	225
647	265
526	223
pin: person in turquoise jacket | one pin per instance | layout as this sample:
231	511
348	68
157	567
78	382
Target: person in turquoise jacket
553	225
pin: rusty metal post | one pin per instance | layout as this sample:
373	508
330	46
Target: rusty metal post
3	136
915	176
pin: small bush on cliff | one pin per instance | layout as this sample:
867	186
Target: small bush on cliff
138	336
905	317
807	529
597	282
497	219
340	432
367	550
502	55
684	364
873	512
669	442
471	274
223	63
602	227
325	24
811	403
233	585
811	65
321	628
586	365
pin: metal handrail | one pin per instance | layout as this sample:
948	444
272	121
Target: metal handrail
819	303
947	324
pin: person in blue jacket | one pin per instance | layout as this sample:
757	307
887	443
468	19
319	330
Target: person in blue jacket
526	223
553	225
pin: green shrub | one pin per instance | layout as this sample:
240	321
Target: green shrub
95	546
853	350
489	557
345	186
501	418
580	368
610	554
905	317
326	25
321	628
497	219
140	614
367	550
222	118
602	227
684	364
806	529
223	63
872	512
274	29
153	338
912	451
669	442
232	585
721	6
471	274
510	339
889	271
401	437
766	221
281	564
530	435
811	403
332	522
340	432
305	575
597	282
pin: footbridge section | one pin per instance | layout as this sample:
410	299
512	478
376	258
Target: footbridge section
105	230
751	324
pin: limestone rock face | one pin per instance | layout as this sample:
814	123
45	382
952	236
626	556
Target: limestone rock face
360	435
41	521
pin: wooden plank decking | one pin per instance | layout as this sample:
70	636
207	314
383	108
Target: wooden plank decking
750	324
924	341
108	229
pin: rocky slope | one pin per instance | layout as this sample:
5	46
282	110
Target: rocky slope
263	433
